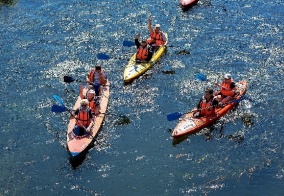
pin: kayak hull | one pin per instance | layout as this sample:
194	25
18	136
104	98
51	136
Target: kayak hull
134	70
188	3
80	145
189	124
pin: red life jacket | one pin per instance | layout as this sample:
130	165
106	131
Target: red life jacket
206	108
227	91
142	53
83	118
92	77
156	38
92	105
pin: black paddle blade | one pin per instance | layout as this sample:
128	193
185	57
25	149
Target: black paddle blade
128	43
58	109
68	79
174	116
201	77
103	56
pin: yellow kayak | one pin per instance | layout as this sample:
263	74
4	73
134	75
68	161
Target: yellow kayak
134	70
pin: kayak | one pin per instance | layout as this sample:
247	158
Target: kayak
79	145
188	3
189	124
134	70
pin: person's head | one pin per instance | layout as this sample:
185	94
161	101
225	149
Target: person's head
208	92
84	103
227	76
98	68
157	27
91	94
144	42
90	87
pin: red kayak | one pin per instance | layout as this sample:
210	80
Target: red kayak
188	3
189	124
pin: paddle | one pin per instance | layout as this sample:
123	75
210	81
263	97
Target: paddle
63	108
58	109
103	56
128	43
177	115
69	79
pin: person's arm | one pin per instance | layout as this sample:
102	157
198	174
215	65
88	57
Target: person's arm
103	77
137	43
81	92
88	129
76	112
150	54
164	39
215	103
150	24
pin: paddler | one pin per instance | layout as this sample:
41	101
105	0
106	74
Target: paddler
227	90
84	118
206	105
144	52
92	99
157	38
97	77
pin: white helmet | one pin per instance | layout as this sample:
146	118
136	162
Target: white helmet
227	76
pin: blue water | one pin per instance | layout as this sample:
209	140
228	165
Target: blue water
241	154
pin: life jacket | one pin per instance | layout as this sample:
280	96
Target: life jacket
96	78
227	91
206	108
142	53
92	105
83	118
156	38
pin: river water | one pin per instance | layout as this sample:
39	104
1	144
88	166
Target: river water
241	154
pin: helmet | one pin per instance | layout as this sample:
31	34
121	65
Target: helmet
91	92
84	102
227	76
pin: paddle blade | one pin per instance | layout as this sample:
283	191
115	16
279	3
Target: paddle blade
103	56
58	109
201	77
128	43
174	116
68	79
59	100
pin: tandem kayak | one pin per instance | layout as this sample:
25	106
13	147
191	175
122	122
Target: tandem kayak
187	3
79	145
134	70
189	124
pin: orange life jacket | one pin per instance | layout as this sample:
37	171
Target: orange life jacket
92	105
142	53
92	77
227	91
156	38
206	108
83	118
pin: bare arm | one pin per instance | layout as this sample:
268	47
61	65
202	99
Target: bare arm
150	24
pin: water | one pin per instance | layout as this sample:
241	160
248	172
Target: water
242	154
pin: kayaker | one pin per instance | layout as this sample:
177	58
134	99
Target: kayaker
97	77
157	38
84	118
227	90
144	52
206	105
92	99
